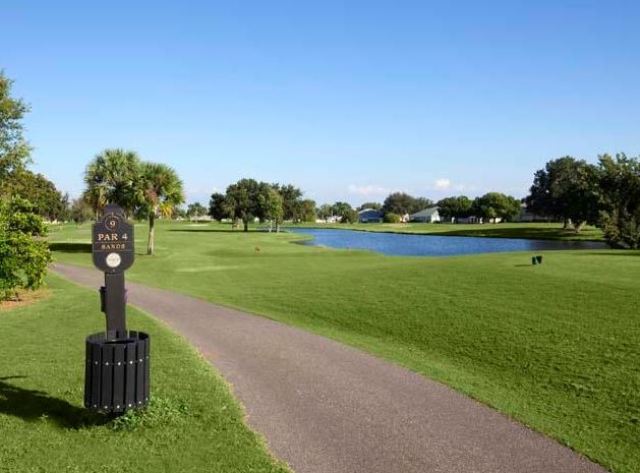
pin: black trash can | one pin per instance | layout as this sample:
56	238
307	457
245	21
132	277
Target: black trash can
539	259
117	372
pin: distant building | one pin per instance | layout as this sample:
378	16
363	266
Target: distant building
370	216
430	215
200	218
331	219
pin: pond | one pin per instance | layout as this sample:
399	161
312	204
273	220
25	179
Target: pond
434	245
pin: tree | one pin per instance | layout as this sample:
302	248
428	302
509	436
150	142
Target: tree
421	203
398	203
243	201
306	211
218	207
271	205
392	218
620	200
24	254
370	205
325	211
495	205
345	212
455	207
291	196
566	189
114	177
161	190
80	211
14	149
47	201
180	213
196	210
144	189
402	203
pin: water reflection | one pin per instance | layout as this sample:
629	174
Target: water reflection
434	245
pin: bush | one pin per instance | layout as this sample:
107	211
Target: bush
349	216
24	254
621	229
391	217
620	200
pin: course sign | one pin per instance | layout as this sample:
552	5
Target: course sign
112	239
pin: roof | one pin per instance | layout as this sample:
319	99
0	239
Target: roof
431	211
370	211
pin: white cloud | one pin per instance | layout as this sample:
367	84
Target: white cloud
443	184
368	191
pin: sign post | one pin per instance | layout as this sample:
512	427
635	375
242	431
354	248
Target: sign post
117	360
113	253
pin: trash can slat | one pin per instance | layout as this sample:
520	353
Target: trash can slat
96	370
130	378
118	377
107	376
140	373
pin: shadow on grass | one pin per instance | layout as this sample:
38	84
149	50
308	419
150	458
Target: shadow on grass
31	405
70	247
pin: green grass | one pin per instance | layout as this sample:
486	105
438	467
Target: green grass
193	424
555	346
537	231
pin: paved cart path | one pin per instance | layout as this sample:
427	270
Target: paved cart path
326	408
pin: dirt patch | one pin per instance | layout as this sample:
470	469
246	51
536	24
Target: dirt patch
25	298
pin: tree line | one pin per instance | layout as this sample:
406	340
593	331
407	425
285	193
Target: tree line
606	194
575	192
490	206
24	254
248	200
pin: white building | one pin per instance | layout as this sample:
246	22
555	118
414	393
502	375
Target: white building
430	215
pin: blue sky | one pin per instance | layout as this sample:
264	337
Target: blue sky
349	100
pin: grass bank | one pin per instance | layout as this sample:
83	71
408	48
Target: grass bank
193	424
555	346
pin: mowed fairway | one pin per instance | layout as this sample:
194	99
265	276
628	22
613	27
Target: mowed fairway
555	346
193	425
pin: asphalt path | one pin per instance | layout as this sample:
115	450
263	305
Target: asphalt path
324	407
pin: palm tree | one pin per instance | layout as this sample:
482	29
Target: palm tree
162	191
112	177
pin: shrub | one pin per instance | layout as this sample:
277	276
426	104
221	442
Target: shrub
24	254
391	217
620	200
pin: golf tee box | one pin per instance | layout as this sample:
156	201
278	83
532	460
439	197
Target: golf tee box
117	361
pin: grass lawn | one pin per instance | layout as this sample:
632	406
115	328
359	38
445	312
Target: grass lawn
555	346
537	231
193	424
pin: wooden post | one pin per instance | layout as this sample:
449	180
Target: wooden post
115	305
